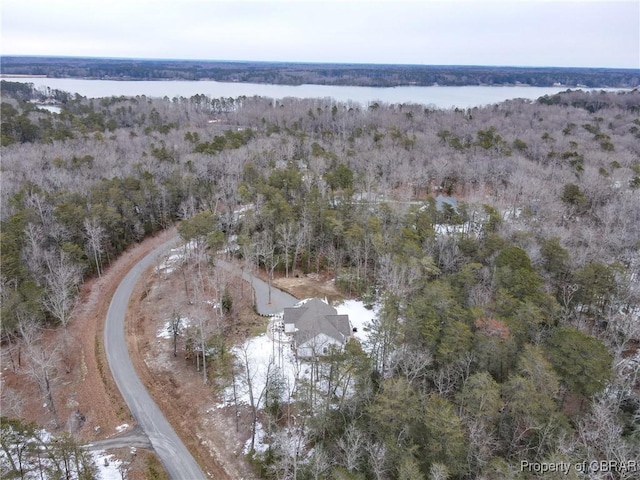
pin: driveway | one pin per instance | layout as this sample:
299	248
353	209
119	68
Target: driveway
134	438
265	303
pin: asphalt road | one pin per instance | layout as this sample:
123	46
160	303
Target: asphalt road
175	457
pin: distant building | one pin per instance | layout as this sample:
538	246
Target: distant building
315	327
441	200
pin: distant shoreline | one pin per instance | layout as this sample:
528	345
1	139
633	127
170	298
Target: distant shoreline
21	75
294	74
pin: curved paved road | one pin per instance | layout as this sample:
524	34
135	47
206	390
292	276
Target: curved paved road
172	453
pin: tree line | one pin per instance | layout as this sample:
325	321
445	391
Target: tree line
285	73
507	322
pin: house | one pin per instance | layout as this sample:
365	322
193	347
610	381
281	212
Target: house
441	200
315	326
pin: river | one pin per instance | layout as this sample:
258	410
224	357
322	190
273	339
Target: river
434	96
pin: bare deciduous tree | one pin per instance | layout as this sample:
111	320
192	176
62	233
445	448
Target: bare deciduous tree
251	381
411	362
266	251
61	293
176	327
352	444
95	241
287	234
42	362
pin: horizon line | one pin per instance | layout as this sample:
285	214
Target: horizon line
298	62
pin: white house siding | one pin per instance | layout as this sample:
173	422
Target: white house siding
316	346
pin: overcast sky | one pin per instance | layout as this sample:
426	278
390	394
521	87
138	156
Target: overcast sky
578	33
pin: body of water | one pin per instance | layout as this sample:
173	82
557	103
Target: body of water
435	96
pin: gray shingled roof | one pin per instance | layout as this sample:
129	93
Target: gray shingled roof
315	317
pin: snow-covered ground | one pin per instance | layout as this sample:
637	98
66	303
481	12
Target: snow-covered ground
260	358
447	229
359	316
174	258
167	330
469	228
108	466
260	443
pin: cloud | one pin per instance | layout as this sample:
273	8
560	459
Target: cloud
542	32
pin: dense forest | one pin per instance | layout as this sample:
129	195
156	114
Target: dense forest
507	328
316	73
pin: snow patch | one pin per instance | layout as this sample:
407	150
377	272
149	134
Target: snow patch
448	229
167	330
174	258
260	443
108	466
261	359
170	263
360	318
122	428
